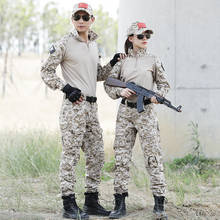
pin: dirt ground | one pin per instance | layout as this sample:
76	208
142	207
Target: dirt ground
140	204
36	203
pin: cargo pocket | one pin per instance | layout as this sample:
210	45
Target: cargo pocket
152	162
63	121
66	113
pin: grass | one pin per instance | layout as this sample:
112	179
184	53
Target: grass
108	169
29	164
185	175
32	153
140	178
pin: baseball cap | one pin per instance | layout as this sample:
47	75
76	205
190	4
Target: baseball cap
82	7
138	28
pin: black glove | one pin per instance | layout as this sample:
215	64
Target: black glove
115	59
72	93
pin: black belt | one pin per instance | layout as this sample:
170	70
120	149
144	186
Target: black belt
91	99
134	104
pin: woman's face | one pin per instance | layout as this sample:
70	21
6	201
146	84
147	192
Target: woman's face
139	41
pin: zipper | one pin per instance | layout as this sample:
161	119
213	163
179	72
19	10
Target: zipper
87	44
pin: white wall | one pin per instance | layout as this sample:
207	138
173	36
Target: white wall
187	39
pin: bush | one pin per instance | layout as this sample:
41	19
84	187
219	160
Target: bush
191	161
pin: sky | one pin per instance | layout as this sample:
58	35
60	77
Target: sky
111	6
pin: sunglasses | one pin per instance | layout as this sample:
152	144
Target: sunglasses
77	17
141	36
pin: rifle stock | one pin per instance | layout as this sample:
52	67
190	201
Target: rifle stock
115	82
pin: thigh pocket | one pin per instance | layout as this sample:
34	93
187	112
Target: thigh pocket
70	117
152	162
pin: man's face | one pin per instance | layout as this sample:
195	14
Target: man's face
82	21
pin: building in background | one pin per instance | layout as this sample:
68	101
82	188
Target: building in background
187	39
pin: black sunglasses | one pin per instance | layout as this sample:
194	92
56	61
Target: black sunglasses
77	17
141	36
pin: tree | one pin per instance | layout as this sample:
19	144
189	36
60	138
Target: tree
21	24
16	21
54	24
107	28
5	38
25	18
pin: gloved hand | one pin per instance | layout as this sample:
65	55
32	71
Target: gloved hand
115	59
72	93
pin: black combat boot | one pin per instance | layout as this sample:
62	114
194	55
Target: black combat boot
120	207
92	206
159	208
71	209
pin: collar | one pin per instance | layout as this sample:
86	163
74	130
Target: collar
140	53
92	35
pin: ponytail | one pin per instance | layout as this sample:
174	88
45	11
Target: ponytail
128	45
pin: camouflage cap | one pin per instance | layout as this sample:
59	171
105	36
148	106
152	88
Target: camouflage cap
82	7
137	28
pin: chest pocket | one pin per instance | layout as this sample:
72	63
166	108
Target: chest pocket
150	71
153	72
148	68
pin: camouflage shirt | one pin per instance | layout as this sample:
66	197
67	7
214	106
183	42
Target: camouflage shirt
142	68
79	64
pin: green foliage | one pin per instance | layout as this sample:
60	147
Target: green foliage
24	18
32	153
190	161
5	12
107	169
21	21
36	153
196	144
54	23
195	160
18	20
186	173
107	29
109	166
105	177
27	154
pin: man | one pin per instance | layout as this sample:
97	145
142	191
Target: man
77	53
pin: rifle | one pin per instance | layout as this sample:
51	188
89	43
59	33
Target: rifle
141	92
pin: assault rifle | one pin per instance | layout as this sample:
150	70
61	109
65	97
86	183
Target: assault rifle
141	92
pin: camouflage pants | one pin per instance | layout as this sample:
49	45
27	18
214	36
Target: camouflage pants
129	123
80	129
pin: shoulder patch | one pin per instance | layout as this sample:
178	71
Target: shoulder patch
52	49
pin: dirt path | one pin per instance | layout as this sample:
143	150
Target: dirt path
139	211
202	205
191	212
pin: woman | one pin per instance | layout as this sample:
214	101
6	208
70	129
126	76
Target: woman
145	70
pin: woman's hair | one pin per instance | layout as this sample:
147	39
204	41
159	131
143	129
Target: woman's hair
128	44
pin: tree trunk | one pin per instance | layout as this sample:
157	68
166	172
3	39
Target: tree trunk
19	47
4	75
11	75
